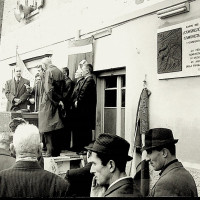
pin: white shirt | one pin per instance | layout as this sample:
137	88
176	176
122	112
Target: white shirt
119	180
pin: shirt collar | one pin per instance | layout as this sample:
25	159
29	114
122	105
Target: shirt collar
17	78
88	76
118	180
168	164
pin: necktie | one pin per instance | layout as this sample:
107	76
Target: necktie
17	84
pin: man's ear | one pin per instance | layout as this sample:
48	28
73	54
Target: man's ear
12	149
165	152
40	146
112	165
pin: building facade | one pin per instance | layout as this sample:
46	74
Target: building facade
131	38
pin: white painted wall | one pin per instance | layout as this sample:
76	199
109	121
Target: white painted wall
174	103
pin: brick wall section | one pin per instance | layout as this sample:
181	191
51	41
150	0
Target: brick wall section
1	15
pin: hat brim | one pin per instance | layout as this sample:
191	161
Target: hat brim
128	158
152	147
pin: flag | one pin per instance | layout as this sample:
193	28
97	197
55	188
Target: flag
25	73
140	167
79	50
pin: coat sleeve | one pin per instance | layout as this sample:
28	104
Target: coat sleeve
8	92
50	88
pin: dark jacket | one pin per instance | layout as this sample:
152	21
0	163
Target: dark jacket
49	117
28	179
11	92
123	188
175	181
86	102
80	181
68	89
6	161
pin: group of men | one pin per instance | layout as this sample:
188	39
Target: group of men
63	106
103	176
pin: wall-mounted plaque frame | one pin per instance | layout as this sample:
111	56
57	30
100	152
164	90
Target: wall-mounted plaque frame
178	50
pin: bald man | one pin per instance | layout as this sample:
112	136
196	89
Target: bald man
16	92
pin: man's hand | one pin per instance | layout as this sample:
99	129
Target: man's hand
75	104
32	100
28	88
96	190
61	104
17	101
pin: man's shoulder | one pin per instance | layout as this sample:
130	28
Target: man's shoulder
54	176
124	188
9	81
25	80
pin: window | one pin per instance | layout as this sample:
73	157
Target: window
112	97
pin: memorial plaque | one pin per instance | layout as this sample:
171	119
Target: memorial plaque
178	50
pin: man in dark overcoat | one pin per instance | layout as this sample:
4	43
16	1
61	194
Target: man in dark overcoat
50	122
174	179
86	106
16	92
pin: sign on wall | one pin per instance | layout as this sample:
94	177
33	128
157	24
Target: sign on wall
178	50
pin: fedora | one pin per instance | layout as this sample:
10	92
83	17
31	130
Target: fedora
113	145
158	137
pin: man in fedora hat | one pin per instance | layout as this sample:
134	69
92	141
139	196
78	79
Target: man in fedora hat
109	157
174	179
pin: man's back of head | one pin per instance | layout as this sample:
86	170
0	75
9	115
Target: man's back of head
46	61
26	140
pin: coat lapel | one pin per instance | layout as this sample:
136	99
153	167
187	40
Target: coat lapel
168	169
118	185
13	87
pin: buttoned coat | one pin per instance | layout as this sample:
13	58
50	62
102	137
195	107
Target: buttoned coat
86	102
28	179
11	92
174	181
49	118
123	188
6	161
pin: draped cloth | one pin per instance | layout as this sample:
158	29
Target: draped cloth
79	50
141	166
25	72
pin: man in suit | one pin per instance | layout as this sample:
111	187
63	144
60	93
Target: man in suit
68	89
174	179
26	178
5	155
75	118
34	99
86	106
49	112
109	157
16	92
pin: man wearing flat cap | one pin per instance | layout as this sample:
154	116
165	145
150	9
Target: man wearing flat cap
174	179
109	157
